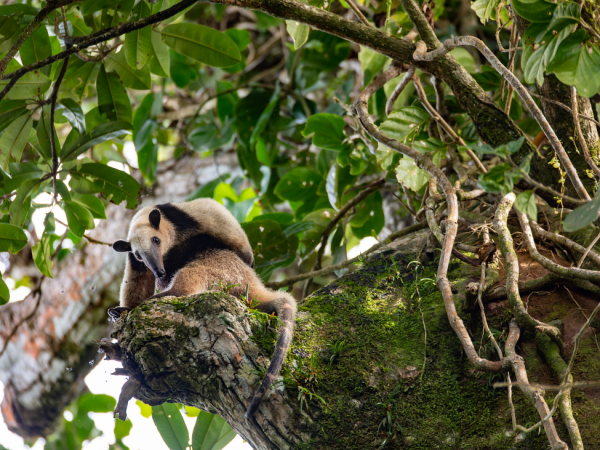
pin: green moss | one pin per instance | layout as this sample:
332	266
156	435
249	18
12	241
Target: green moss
373	316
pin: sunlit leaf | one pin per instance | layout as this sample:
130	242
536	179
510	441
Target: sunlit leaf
327	131
12	238
101	133
116	183
410	175
78	218
13	140
36	48
298	31
211	432
525	203
158	62
170	425
137	43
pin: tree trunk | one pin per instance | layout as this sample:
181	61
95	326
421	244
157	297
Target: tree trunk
361	369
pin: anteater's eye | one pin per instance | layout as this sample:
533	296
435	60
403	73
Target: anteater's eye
156	240
137	255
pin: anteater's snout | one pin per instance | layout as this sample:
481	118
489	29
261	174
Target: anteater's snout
160	273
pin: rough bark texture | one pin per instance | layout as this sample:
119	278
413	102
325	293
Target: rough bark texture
561	121
44	364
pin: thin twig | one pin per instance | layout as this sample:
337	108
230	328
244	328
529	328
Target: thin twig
358	13
389	105
582	142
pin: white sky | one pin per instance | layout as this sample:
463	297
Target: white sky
143	435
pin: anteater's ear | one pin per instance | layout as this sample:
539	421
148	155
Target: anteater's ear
122	246
155	218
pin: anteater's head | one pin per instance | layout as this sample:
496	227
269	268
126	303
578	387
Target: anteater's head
148	240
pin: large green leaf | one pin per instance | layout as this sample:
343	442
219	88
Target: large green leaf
74	114
36	48
247	111
100	403
137	43
29	85
534	10
500	178
101	133
533	64
42	253
12	238
44	133
21	172
19	208
485	9
525	203
14	138
324	51
582	216
132	78
201	43
405	124
10	110
371	62
410	175
170	425
263	120
116	183
78	218
299	184
327	131
158	62
92	203
4	292
78	75
576	64
298	31
211	432
8	27
113	100
369	218
319	219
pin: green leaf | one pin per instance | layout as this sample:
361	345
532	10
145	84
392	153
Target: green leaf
170	425
99	403
145	410
297	227
29	85
36	48
91	6
78	75
43	135
576	64
410	175
489	79
101	133
122	428
432	146
133	78
158	62
324	51
582	216
202	44
320	219
298	31
371	63
211	432
137	43
485	9
8	27
12	238
208	189
92	203
272	248
534	64
405	124
327	131
534	10
74	114
19	208
298	185
19	173
113	100
247	112
500	178
4	292
17	8
369	218
14	138
180	69
78	218
42	252
116	183
525	203
10	110
261	124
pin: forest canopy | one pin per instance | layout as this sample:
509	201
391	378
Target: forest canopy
348	120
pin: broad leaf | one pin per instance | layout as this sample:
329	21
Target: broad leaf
133	78
4	292
327	131
369	218
91	6
211	432
410	175
44	133
101	133
405	124
13	140
299	184
74	114
21	172
92	203
113	100
485	9
261	124
298	31
202	44
137	43
36	48
534	10
582	216
29	85
371	62
116	183
500	178
158	62
170	425
19	208
78	218
10	110
525	203
12	238
42	252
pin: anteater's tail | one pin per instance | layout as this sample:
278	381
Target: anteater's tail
284	306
